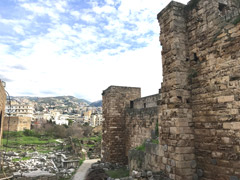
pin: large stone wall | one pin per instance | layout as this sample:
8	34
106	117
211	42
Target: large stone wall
214	57
2	108
198	108
16	123
140	126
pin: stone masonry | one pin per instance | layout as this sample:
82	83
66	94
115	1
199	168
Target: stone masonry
116	99
198	108
2	107
15	123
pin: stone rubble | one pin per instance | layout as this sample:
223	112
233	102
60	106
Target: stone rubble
40	164
134	175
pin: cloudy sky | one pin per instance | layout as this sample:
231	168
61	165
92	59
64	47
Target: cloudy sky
79	47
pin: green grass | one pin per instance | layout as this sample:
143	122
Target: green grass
26	140
118	173
22	159
90	145
81	161
19	138
93	138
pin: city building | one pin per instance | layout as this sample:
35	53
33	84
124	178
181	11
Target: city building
19	110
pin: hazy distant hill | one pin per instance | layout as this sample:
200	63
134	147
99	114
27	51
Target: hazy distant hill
54	100
96	103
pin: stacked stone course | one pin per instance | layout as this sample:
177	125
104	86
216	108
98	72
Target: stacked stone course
198	108
116	99
14	123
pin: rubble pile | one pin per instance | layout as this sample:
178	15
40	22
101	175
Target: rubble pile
134	175
58	163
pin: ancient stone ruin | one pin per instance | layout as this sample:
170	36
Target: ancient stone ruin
197	111
2	108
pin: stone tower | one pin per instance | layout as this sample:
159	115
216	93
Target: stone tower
115	101
175	113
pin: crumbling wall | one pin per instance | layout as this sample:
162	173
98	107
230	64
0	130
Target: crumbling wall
2	108
16	123
140	126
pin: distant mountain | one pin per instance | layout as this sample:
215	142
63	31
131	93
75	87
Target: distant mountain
53	100
96	103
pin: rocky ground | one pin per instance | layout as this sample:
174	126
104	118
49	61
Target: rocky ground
60	159
103	171
57	163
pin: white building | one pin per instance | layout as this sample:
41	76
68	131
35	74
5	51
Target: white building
42	116
62	119
19	110
59	118
96	120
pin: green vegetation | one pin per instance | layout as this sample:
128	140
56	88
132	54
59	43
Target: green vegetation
141	147
92	138
81	161
22	159
26	140
118	173
155	141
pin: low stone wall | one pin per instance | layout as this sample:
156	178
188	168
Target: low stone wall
16	123
146	160
146	102
141	125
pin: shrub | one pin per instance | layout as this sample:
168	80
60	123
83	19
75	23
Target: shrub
141	147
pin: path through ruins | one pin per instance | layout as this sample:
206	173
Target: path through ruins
83	169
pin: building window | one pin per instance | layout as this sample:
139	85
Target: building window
131	104
222	8
144	105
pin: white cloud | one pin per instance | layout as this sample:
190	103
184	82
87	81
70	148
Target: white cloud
51	8
70	58
88	18
19	30
104	9
76	14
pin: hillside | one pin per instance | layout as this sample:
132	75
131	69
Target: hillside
54	100
96	103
